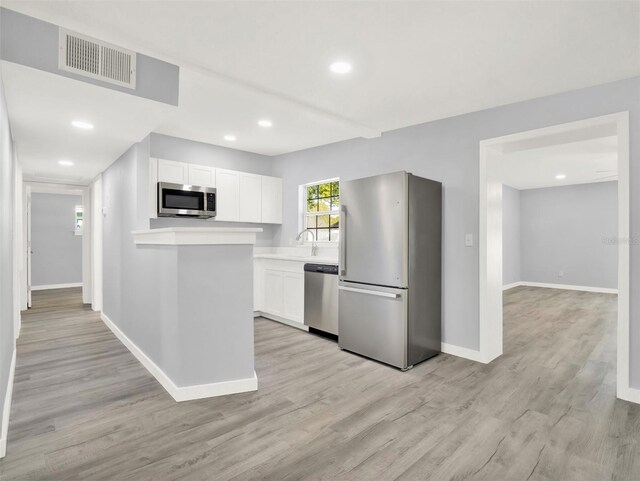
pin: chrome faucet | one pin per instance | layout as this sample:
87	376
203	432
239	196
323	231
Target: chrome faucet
314	246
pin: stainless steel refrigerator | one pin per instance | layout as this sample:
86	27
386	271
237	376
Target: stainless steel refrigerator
389	305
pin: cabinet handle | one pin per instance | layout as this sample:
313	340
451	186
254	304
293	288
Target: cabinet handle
343	240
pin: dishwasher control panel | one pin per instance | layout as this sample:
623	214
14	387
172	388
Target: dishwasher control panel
322	268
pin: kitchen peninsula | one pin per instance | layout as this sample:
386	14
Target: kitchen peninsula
205	278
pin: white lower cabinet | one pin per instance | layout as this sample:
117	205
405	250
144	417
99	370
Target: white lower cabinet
280	290
273	292
293	298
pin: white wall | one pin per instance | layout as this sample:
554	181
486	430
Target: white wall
570	229
57	251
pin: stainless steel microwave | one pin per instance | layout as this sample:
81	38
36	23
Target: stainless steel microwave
178	200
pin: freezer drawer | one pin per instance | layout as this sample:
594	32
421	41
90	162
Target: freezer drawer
373	322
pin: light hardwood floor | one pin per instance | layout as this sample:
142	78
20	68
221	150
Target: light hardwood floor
85	409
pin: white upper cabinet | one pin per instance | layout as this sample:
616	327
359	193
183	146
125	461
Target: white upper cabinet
271	200
202	175
250	197
227	195
240	196
172	171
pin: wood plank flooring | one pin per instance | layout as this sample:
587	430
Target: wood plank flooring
85	409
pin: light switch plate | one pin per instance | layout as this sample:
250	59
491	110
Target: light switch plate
468	240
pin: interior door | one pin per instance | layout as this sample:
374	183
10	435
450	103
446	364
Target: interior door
374	230
373	322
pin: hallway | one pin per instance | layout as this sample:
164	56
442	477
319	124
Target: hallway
84	408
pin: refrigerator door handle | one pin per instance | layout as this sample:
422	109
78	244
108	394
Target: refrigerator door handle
372	293
343	240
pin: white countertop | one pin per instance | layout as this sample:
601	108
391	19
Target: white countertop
298	258
196	236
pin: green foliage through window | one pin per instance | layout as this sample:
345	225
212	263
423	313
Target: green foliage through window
322	215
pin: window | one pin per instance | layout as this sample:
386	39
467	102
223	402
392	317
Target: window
79	213
322	210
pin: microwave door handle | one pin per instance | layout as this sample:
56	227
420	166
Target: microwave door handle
343	240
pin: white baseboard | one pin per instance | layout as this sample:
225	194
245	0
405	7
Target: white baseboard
282	320
182	393
6	410
56	286
603	290
506	287
464	352
629	394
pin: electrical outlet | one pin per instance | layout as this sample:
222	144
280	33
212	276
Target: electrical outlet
468	240
561	274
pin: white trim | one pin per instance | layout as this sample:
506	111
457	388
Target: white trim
629	394
196	236
45	287
464	352
66	189
6	410
96	243
490	316
569	287
281	320
182	393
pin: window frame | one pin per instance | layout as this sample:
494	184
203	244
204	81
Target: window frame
302	221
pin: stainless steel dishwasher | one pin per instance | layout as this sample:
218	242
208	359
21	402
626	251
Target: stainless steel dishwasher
321	297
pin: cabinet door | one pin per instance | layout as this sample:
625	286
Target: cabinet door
172	171
293	299
202	175
227	195
271	200
273	291
250	197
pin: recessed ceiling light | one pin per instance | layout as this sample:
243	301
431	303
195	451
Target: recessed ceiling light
340	67
81	124
561	176
230	138
66	163
265	123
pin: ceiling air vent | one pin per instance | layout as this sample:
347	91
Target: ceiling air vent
92	58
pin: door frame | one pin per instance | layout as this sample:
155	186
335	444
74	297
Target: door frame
84	191
490	241
96	244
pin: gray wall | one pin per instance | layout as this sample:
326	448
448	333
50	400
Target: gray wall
172	148
566	229
448	151
143	287
32	42
7	336
511	268
57	251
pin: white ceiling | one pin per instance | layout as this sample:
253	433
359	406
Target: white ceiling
41	108
412	61
582	162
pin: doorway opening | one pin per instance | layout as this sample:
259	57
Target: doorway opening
497	158
57	244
